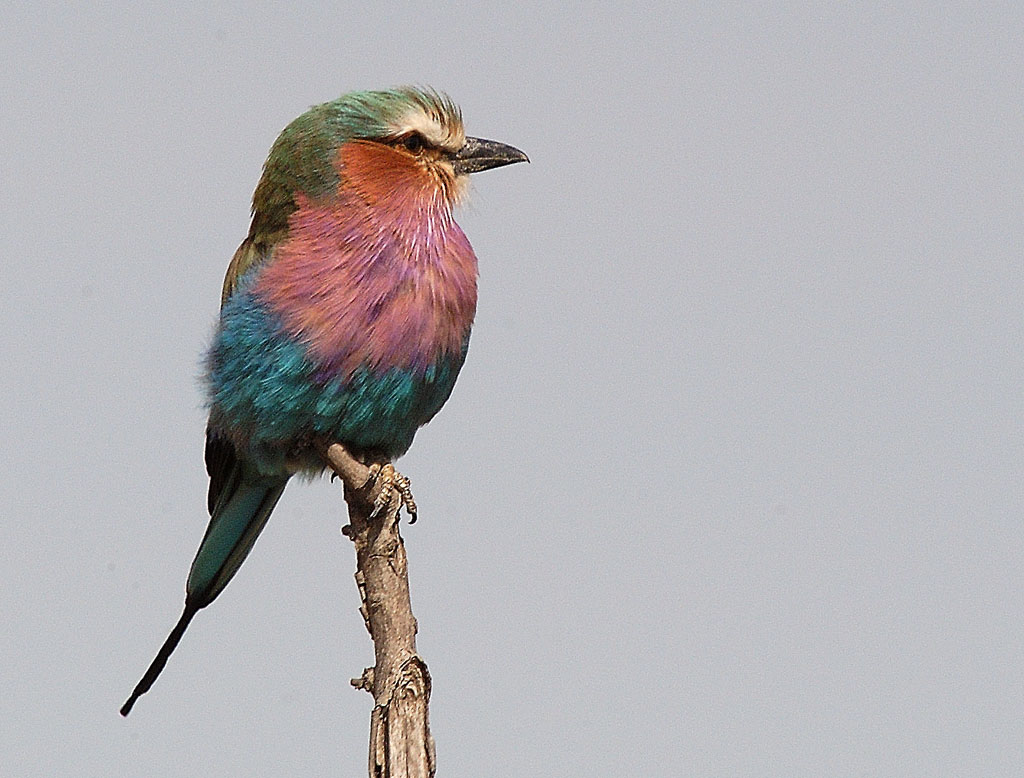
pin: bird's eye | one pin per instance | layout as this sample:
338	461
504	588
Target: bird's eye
413	142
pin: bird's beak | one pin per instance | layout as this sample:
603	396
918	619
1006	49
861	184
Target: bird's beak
478	154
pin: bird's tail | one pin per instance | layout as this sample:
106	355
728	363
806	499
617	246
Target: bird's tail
237	520
241	511
161	659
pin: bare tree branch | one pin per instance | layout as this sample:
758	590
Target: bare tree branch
401	745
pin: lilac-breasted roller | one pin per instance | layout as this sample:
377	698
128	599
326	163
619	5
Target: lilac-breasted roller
345	314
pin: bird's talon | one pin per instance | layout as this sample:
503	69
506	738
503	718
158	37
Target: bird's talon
387	480
404	487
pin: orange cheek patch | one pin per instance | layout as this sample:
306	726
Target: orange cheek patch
379	173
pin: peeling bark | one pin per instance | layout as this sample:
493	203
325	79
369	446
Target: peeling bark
401	745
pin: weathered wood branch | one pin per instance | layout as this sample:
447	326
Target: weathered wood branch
400	742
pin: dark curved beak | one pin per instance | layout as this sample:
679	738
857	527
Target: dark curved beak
479	154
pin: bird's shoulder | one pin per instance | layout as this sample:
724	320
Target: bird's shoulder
253	252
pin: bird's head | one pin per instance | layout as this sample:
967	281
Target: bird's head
396	138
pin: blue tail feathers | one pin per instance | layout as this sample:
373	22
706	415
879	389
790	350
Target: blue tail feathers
241	500
237	521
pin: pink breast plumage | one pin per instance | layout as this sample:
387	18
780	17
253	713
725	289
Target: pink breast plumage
377	275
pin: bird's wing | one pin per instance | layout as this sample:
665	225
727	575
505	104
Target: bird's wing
222	467
254	251
239	499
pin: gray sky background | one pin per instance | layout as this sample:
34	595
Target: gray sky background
730	484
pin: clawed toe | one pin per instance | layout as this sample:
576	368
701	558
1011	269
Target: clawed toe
388	481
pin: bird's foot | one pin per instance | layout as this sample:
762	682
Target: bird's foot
388	481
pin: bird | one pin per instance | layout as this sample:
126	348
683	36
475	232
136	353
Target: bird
345	313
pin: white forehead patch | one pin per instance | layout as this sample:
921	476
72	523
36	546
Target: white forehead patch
440	130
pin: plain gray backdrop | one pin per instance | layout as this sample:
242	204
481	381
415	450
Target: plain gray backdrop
730	484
